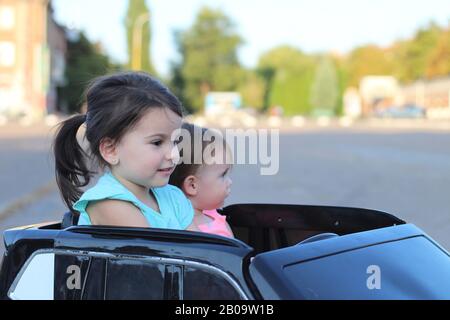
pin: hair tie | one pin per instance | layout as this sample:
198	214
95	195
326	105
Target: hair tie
87	117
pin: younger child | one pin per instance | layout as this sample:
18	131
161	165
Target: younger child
205	182
129	124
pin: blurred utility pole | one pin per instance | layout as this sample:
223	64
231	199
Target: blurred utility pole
136	60
138	31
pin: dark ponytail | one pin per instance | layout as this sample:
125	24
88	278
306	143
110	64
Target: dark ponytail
70	163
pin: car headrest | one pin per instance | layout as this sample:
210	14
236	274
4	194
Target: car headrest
69	219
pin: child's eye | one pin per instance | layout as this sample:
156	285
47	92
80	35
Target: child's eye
226	172
157	142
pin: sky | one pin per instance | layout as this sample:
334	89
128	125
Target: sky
309	25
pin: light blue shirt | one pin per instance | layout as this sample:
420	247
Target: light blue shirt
176	211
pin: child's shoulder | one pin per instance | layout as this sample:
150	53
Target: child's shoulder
214	215
106	184
106	188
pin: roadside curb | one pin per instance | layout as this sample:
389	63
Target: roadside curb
27	199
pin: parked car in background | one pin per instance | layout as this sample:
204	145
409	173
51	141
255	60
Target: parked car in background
409	111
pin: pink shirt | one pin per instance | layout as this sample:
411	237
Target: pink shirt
217	226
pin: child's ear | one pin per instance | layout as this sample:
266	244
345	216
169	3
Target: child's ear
108	151
190	186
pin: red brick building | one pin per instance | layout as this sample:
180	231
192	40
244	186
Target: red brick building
32	58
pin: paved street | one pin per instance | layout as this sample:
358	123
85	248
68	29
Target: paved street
402	172
406	174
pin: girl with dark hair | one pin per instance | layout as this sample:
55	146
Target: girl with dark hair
128	125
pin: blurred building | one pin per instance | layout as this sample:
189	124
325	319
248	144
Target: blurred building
433	95
352	103
217	103
32	58
378	93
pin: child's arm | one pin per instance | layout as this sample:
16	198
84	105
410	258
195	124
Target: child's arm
116	213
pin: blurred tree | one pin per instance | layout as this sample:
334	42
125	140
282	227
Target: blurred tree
439	58
137	22
368	60
209	61
325	88
342	75
288	75
267	73
177	85
85	61
412	56
253	89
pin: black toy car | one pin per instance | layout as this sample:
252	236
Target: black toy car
280	252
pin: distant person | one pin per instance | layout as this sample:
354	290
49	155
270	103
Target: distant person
207	182
129	124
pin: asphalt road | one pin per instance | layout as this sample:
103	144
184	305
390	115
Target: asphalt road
403	172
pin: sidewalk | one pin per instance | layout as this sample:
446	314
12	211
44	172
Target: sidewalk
26	170
299	123
13	130
47	129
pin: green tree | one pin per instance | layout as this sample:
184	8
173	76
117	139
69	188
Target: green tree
209	62
267	74
288	73
343	79
412	56
325	88
253	88
177	85
439	59
368	60
85	61
137	23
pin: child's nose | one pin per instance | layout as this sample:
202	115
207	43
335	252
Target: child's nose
174	155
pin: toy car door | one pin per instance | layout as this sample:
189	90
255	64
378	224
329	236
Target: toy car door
138	264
